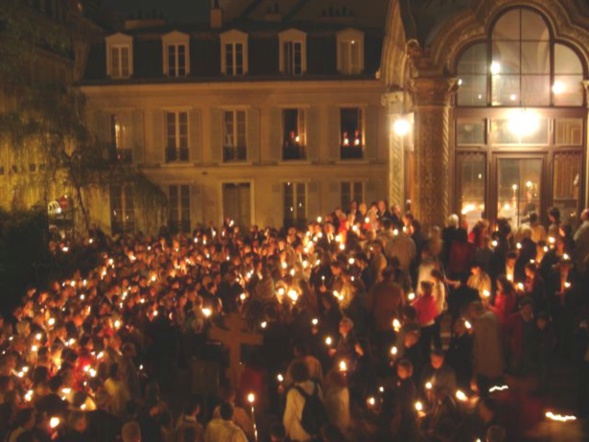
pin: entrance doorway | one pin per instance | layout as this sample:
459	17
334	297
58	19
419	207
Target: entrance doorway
519	188
237	203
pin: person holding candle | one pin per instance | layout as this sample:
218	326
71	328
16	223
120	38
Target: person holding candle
427	311
404	422
505	299
337	400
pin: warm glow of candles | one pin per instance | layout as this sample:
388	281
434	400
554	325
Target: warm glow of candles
428	386
251	398
315	322
559	417
468	325
411	296
396	325
498	388
418	406
206	312
264	324
371	401
461	396
343	366
394	351
54	422
486	293
280	378
328	340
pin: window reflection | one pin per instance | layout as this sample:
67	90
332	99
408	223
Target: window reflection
518	189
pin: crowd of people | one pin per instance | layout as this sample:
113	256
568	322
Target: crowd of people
372	330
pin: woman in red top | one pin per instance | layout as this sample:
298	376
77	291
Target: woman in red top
505	299
427	310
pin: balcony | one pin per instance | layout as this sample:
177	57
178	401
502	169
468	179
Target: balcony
234	154
176	154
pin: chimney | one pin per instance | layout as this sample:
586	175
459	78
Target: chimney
216	15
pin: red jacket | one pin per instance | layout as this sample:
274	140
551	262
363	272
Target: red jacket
426	309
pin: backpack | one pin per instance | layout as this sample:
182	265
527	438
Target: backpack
314	414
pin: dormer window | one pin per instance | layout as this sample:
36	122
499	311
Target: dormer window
176	55
234	53
293	52
119	56
350	51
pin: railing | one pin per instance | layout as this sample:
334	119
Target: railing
351	152
294	153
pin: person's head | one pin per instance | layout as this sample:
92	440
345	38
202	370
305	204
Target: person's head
495	433
426	287
299	371
510	258
437	275
504	285
585	215
345	326
77	421
193	406
542	320
411	338
404	369
226	411
131	432
437	357
533	217
453	221
475	269
527	308
476	309
531	270
554	215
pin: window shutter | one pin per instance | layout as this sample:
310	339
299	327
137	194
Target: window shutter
313	201
158	154
195	134
253	135
371	137
196	205
216	136
275	143
302	127
137	140
313	134
334	136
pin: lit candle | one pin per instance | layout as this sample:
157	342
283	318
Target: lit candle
343	366
206	312
411	296
328	341
371	401
280	378
54	422
486	293
559	417
315	322
461	396
418	406
264	324
396	325
468	325
428	386
394	351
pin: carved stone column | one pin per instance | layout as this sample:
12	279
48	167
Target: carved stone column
394	101
431	96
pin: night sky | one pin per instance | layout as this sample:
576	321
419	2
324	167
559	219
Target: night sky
174	10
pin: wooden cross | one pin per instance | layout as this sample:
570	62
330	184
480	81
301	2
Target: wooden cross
233	335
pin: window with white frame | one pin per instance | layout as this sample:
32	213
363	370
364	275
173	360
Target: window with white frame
294	134
351	191
352	133
234	136
118	129
176	56
234	53
293	52
179	208
122	209
350	51
119	58
295	204
176	136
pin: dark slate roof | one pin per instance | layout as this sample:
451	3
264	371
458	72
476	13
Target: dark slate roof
424	18
263	49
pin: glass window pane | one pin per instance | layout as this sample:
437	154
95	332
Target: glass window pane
506	57
521	128
569	132
505	90
518	189
473	90
533	26
470	132
471	181
474	60
568	90
535	90
535	58
566	61
567	175
508	26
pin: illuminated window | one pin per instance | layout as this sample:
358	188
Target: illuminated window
295	204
